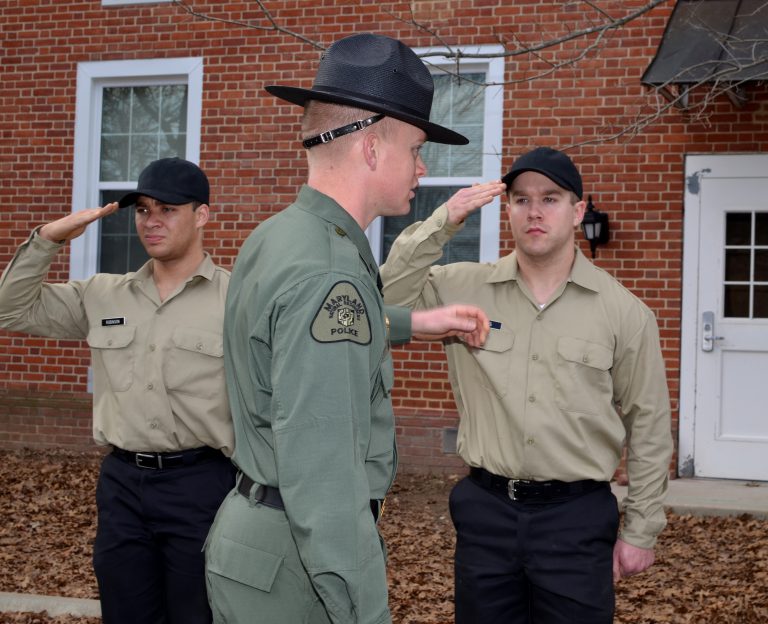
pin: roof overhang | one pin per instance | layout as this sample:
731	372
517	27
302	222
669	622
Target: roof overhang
722	42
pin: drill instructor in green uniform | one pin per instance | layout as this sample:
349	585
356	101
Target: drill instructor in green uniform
307	358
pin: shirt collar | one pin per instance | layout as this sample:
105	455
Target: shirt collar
583	272
205	269
320	205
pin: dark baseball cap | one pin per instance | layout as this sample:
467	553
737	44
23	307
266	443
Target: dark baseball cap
548	162
171	181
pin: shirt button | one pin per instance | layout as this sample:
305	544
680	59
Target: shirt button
532	398
153	425
150	386
585	359
151	347
535	356
109	343
530	441
538	317
439	223
199	346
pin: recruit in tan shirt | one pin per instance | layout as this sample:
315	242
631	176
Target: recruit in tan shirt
158	366
538	401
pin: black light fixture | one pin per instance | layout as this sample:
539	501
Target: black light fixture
595	226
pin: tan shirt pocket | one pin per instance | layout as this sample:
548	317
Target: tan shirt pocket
195	362
582	375
494	359
113	354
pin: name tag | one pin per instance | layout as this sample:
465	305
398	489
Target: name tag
118	320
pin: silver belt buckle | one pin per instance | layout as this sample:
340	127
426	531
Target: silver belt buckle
140	456
511	488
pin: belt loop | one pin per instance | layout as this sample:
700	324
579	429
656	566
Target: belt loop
252	491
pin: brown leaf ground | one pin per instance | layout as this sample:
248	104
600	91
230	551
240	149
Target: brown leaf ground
708	570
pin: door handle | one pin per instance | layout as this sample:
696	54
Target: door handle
708	331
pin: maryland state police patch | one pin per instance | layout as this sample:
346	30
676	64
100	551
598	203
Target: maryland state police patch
342	316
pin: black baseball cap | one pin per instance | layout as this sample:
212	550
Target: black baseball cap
171	181
551	163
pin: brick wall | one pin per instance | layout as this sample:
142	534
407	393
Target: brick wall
250	151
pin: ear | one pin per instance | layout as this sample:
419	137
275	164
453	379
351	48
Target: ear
202	214
578	212
371	146
508	205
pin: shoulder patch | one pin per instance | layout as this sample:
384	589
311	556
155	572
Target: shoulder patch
342	316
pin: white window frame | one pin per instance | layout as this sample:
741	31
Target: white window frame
492	146
92	77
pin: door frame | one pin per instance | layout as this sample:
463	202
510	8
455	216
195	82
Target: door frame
698	166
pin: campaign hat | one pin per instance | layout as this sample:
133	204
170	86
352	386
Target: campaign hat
378	74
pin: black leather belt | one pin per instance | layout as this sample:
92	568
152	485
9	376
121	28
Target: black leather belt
265	494
533	491
270	496
172	459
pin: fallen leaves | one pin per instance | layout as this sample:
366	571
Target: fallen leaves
707	571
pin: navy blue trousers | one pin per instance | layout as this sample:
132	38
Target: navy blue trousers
152	525
526	563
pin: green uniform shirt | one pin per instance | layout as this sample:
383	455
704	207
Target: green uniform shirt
309	375
538	400
158	367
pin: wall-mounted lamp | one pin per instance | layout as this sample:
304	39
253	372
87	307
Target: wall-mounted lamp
595	226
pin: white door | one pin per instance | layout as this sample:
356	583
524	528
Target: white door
730	419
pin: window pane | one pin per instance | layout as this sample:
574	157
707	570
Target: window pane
117	222
738	228
736	302
737	265
114	157
465	246
761	228
172	145
120	249
141	124
143	151
761	302
761	265
115	114
145	110
113	253
460	105
174	109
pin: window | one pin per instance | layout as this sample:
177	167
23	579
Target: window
745	288
465	105
129	113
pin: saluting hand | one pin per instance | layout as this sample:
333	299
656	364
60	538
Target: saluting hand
465	201
74	224
467	323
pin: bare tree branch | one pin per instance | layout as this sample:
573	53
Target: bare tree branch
709	80
274	26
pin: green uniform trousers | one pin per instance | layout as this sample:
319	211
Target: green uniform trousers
253	570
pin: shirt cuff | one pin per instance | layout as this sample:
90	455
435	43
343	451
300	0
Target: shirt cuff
398	324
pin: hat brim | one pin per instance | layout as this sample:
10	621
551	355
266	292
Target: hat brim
172	199
562	183
434	132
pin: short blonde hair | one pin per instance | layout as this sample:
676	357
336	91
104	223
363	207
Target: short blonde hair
324	116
